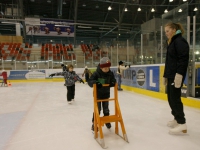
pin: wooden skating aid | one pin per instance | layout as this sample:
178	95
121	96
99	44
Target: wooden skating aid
100	121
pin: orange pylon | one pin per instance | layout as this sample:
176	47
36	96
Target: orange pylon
9	84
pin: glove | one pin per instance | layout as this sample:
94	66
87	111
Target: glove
81	81
99	85
164	81
51	75
125	66
112	83
178	80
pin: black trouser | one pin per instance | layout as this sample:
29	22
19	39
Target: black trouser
106	110
174	99
70	92
86	77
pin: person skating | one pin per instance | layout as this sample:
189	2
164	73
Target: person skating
70	78
103	73
5	77
120	71
176	64
87	73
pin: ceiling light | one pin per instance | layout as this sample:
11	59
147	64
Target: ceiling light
125	9
184	0
109	8
84	5
84	27
48	1
166	11
195	9
152	10
119	34
139	9
64	3
170	0
180	10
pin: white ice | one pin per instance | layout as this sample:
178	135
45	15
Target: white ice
36	116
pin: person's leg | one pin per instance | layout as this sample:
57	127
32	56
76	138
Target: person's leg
169	97
106	112
177	109
73	91
86	77
175	102
69	93
99	108
119	82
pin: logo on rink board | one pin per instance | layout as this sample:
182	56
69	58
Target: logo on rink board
140	77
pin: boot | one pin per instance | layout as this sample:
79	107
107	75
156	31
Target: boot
178	129
172	123
108	125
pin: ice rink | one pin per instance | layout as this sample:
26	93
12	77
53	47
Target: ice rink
36	116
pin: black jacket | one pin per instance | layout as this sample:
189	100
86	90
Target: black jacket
104	92
177	57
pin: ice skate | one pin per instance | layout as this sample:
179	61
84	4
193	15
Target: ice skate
108	125
178	129
172	123
73	100
69	102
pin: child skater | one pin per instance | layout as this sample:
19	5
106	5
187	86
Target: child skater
103	72
70	78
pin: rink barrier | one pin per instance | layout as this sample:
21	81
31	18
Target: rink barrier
189	101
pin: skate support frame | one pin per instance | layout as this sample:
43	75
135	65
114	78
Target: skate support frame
100	121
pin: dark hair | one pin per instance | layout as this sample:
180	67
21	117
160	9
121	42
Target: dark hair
176	26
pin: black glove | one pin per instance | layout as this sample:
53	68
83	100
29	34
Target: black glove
125	65
81	81
51	75
99	85
129	66
112	83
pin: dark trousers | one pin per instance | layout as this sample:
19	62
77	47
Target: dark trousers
175	103
105	106
70	92
86	77
119	81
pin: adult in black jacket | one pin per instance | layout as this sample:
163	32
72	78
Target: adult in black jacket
176	64
103	74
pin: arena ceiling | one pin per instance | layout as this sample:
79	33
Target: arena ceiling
94	14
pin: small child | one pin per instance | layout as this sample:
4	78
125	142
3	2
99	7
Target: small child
120	71
70	78
103	73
